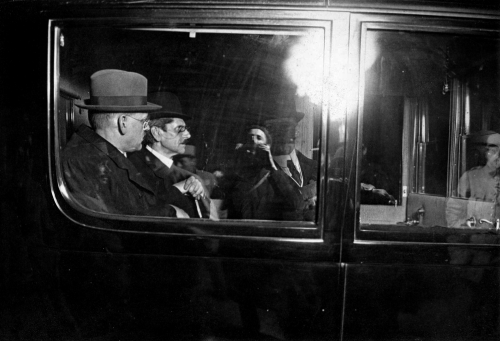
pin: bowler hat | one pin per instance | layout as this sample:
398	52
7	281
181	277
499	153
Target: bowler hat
493	139
484	137
290	120
118	91
170	106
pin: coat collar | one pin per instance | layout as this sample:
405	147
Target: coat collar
173	173
153	162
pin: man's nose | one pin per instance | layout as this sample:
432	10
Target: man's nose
187	135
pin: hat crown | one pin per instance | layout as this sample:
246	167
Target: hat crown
118	91
169	102
118	83
170	106
494	139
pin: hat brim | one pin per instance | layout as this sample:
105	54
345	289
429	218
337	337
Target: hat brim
168	114
119	108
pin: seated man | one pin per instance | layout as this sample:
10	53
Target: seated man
167	137
480	189
258	189
302	170
96	169
374	182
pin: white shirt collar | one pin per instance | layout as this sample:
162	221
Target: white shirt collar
166	160
281	160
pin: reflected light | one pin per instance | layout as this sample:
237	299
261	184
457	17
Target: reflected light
372	48
304	66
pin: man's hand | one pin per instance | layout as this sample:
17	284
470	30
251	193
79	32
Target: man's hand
193	186
267	148
367	187
383	192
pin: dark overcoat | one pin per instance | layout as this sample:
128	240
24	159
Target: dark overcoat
310	175
266	195
101	178
161	176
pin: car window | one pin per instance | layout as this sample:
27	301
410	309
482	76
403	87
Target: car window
430	131
251	105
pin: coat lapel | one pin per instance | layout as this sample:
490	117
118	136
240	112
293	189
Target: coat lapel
307	166
173	174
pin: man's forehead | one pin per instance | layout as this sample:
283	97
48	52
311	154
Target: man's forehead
176	122
140	115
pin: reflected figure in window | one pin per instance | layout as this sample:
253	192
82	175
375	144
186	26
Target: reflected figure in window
374	181
166	138
96	169
189	163
299	168
481	186
260	190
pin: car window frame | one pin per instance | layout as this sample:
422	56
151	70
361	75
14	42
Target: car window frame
360	23
273	230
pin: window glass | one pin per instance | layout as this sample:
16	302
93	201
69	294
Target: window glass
430	132
241	109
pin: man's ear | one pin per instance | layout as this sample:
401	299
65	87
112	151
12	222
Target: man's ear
122	124
155	133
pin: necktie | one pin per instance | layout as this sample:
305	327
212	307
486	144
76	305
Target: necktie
295	173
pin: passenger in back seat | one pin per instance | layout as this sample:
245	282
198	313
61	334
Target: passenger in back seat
481	186
96	169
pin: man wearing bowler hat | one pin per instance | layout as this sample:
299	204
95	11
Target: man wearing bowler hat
477	203
302	170
96	169
166	138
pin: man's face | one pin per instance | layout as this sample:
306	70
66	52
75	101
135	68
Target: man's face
283	148
137	129
492	156
284	140
257	136
174	136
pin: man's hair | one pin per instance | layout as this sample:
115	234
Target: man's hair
100	120
179	157
159	122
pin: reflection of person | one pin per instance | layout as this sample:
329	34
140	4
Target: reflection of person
95	167
261	191
374	182
481	186
165	138
188	162
302	170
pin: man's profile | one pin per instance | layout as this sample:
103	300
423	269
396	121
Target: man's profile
167	137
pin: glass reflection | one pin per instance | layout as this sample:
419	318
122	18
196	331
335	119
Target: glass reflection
225	84
431	123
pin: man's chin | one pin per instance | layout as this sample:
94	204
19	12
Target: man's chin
282	150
